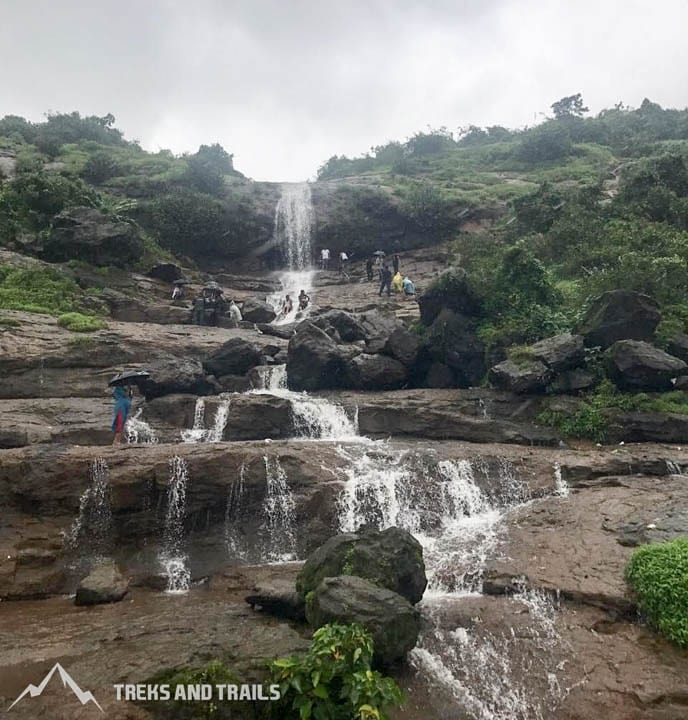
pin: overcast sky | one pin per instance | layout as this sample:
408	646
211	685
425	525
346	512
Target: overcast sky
285	84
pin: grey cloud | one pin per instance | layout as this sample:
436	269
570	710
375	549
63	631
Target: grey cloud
284	84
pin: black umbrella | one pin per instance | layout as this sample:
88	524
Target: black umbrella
130	377
182	281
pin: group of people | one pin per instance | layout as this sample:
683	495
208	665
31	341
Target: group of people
209	306
288	306
390	279
325	260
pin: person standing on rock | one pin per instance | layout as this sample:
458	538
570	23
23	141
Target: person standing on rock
369	269
385	280
325	259
199	311
234	313
395	263
343	257
121	413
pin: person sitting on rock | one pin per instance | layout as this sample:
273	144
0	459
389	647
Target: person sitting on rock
287	306
304	299
121	413
409	288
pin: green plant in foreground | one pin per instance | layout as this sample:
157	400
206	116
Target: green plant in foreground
76	322
333	680
658	573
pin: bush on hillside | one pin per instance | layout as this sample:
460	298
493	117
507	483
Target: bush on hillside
78	322
658	573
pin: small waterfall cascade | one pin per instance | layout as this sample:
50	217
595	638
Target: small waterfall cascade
173	558
498	676
456	509
90	537
199	432
315	418
561	487
279	512
294	219
235	542
139	432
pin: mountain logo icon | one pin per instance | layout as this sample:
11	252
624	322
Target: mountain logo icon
36	690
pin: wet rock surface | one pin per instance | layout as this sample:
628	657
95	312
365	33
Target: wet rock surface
104	584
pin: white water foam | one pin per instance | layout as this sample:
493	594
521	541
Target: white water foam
235	542
173	557
279	512
91	534
139	432
199	432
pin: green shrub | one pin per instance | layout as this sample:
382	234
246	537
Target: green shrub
658	574
77	322
40	290
333	680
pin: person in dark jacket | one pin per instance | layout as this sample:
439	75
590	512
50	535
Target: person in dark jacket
369	269
121	412
395	263
385	280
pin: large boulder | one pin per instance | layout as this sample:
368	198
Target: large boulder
451	341
526	376
256	310
378	326
560	352
165	271
391	620
450	291
375	372
104	584
86	234
170	374
278	597
340	325
390	558
678	346
314	360
619	315
402	345
235	357
637	365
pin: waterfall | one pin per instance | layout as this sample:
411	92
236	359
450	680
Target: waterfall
235	542
279	512
140	432
294	219
173	557
199	432
315	418
90	536
561	487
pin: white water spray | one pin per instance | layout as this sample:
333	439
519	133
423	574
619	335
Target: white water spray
279	512
199	432
173	557
139	432
235	542
294	219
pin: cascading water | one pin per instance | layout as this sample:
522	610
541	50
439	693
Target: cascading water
140	432
459	525
199	432
315	418
173	558
90	537
294	218
279	513
235	542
